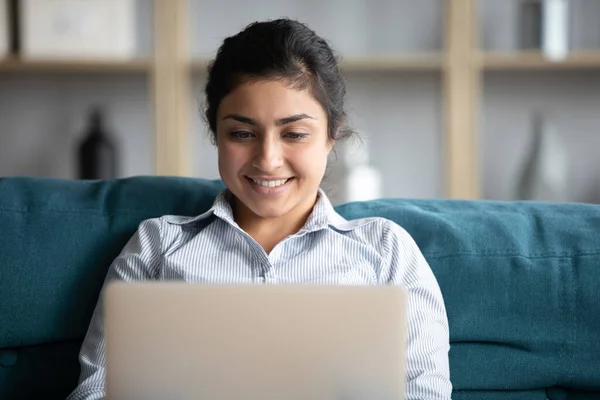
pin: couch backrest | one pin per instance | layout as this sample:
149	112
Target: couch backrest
519	279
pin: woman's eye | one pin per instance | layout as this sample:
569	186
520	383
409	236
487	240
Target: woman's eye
296	135
241	135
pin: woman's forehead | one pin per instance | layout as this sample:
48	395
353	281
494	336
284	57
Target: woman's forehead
270	100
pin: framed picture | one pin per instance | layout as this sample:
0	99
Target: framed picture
80	29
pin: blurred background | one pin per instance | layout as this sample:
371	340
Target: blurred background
482	99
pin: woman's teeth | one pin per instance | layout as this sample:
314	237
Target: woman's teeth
270	183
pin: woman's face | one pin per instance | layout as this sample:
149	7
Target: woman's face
273	147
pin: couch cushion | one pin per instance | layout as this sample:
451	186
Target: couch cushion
60	236
520	281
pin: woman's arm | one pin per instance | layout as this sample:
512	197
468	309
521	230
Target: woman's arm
139	260
427	367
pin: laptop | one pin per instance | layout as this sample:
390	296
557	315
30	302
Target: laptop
230	342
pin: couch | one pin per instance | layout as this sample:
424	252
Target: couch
521	280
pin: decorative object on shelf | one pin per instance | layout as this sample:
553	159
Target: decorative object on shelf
67	29
97	153
4	28
545	175
531	25
555	29
362	181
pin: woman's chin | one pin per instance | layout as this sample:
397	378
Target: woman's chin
267	211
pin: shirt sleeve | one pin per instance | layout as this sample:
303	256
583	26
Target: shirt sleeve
139	260
428	341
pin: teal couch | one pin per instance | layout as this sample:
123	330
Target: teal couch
521	281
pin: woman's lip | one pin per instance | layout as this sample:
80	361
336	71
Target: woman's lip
268	179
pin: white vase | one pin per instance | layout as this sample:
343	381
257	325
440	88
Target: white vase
363	181
555	29
545	176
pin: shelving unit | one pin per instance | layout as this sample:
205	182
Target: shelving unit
519	85
14	64
373	63
461	66
534	60
395	63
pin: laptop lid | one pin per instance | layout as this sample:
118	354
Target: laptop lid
189	341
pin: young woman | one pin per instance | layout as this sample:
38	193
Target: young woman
275	107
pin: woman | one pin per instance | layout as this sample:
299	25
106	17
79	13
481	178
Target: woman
275	107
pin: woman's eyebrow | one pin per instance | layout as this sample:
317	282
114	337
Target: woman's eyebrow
279	122
240	118
293	118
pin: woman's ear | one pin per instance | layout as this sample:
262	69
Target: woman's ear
330	146
331	142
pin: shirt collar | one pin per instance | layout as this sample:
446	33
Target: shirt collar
323	215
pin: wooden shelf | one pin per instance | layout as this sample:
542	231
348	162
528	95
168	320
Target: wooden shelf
417	62
14	64
375	63
534	60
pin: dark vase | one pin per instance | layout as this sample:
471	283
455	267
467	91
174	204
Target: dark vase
97	152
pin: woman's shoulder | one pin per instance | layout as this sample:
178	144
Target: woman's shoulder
373	229
167	228
377	231
164	221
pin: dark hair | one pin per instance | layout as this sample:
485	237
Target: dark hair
281	49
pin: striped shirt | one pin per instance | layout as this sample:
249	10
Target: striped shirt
211	248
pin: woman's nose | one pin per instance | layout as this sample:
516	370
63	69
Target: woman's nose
269	155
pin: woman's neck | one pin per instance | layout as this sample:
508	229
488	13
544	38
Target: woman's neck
270	231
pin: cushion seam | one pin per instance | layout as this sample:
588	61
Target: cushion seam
90	211
441	256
